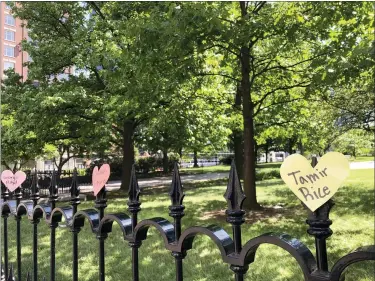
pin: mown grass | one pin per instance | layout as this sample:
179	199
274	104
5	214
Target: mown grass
352	226
362	159
204	170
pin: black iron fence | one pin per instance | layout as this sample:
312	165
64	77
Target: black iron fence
233	252
63	182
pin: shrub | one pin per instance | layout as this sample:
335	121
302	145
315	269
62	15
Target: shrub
267	174
227	160
149	164
116	167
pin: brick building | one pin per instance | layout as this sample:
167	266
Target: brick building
11	34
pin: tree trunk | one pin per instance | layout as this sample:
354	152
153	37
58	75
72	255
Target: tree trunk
250	202
266	149
196	159
238	152
59	170
238	137
127	153
291	143
180	153
301	147
165	161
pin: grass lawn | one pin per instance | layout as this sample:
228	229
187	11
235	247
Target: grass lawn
362	159
352	216
203	170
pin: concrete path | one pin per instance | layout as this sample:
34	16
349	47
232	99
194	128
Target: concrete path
165	181
161	181
362	165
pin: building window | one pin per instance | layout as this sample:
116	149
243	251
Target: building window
9	20
10	35
9	51
8	65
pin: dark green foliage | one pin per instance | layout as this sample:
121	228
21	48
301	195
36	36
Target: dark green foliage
149	164
227	160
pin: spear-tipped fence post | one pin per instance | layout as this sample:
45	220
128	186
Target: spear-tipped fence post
134	207
5	197
101	204
18	194
35	197
11	275
235	216
75	201
177	212
319	223
53	225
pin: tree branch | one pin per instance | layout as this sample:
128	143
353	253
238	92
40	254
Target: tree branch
301	84
218	74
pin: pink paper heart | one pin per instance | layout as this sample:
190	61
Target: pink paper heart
100	177
12	181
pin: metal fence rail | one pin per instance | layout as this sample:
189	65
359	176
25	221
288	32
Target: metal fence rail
233	252
63	183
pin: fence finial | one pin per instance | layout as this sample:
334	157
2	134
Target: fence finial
176	192
234	193
74	188
134	190
314	161
34	188
4	192
133	202
11	275
53	189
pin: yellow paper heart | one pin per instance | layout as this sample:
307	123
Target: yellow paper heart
315	186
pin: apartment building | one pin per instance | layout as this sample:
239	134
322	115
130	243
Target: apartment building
11	34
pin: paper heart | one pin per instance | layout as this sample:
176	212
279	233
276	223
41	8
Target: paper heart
315	186
12	181
100	177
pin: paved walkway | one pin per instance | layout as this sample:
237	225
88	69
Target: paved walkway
362	165
160	181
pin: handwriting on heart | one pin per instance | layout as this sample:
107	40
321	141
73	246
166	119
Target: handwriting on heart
100	177
315	186
12	181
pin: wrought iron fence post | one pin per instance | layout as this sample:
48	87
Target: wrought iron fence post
5	196
101	204
235	216
53	225
177	212
75	201
134	207
35	197
319	223
18	195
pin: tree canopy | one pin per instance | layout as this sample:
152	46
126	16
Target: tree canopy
192	76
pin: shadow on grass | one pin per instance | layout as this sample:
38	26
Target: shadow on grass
204	206
162	189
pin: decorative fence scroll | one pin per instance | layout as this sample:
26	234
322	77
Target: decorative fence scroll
233	252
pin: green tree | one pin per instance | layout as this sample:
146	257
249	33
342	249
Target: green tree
125	78
355	142
267	49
